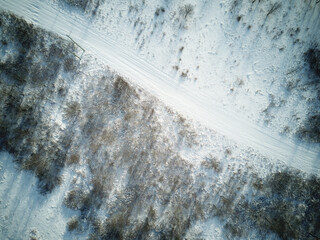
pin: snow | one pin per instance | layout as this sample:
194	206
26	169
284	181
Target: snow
223	120
90	89
221	51
187	100
24	211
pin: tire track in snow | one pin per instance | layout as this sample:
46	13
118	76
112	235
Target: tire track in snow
299	155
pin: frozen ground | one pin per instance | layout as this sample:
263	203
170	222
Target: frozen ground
25	213
191	102
124	150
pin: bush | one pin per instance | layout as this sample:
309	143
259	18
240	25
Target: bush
212	163
186	11
122	90
85	4
313	58
159	10
69	64
76	199
311	129
73	110
73	159
285	203
78	3
73	224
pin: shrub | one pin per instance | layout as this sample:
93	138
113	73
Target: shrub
69	64
73	159
284	203
73	110
313	58
78	3
76	199
73	223
186	10
184	74
274	8
56	50
122	90
85	4
25	33
159	10
228	152
311	129
4	42
212	163
176	67
23	132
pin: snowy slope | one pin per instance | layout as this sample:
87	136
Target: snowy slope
123	146
194	104
247	56
25	213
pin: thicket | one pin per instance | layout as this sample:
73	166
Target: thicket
29	78
122	132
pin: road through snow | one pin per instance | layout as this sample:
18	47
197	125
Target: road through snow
299	155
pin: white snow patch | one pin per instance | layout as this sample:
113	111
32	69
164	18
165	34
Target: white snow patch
24	211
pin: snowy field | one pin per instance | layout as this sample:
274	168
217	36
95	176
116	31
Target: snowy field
182	120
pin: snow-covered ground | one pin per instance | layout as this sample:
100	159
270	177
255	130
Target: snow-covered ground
187	99
158	133
129	151
25	213
244	56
